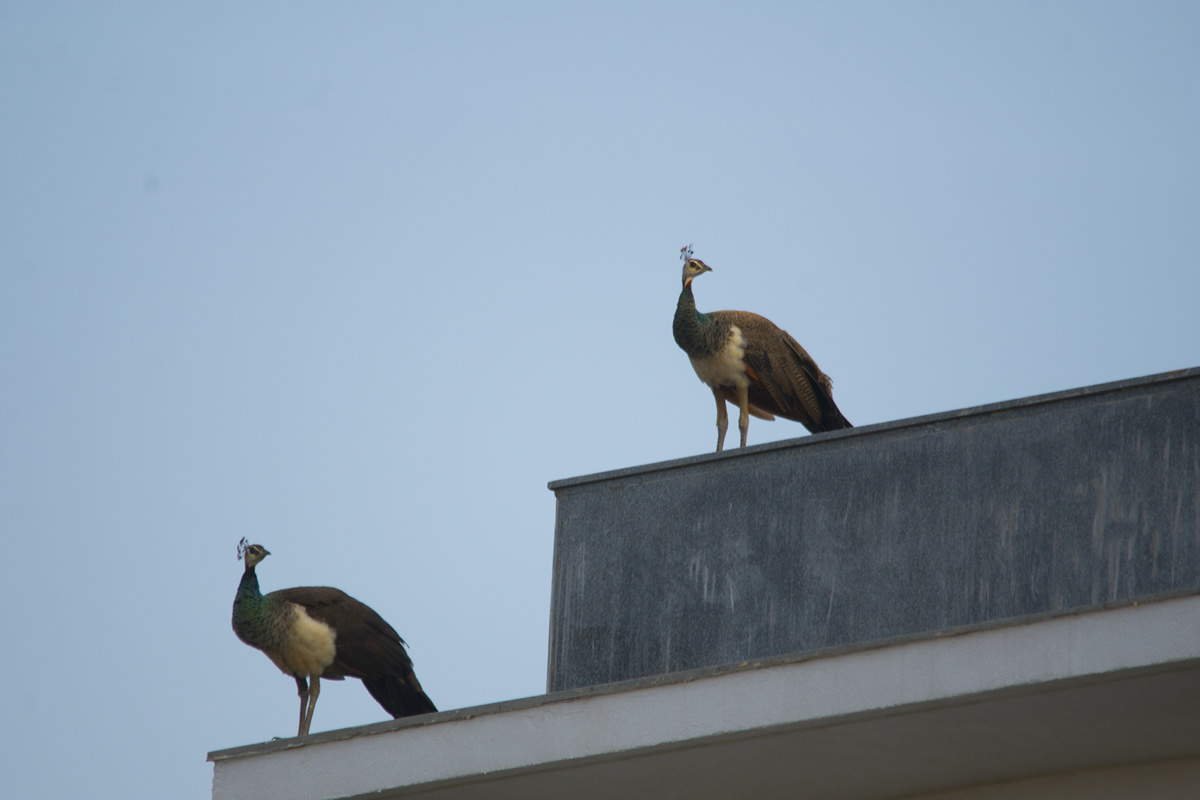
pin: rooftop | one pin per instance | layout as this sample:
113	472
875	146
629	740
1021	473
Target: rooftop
1006	593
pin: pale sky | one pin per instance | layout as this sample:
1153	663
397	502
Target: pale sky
356	280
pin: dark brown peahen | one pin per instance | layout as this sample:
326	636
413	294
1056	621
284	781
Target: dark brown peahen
315	632
748	360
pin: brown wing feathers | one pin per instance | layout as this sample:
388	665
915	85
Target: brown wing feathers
784	378
367	647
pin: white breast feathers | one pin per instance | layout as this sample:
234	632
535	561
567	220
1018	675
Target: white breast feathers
725	367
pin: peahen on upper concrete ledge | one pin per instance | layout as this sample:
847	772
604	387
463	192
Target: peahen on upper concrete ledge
748	360
315	632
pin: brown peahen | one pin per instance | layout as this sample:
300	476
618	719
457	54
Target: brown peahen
748	360
315	632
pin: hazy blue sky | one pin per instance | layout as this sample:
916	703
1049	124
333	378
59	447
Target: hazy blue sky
355	280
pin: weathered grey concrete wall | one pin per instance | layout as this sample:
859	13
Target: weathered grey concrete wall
1036	506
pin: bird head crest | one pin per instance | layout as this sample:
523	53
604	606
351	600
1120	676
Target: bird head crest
242	545
691	266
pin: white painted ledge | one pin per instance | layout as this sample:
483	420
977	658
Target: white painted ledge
997	704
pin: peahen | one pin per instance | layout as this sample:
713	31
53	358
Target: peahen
748	360
314	632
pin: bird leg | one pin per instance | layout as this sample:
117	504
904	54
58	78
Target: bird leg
722	419
302	690
743	393
313	692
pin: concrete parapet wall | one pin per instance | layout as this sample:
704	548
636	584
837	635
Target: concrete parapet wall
1038	506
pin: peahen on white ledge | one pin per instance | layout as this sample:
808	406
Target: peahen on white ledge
748	360
314	632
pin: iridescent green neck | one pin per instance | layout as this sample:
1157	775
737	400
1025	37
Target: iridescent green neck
697	334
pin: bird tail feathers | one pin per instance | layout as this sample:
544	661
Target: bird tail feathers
400	696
